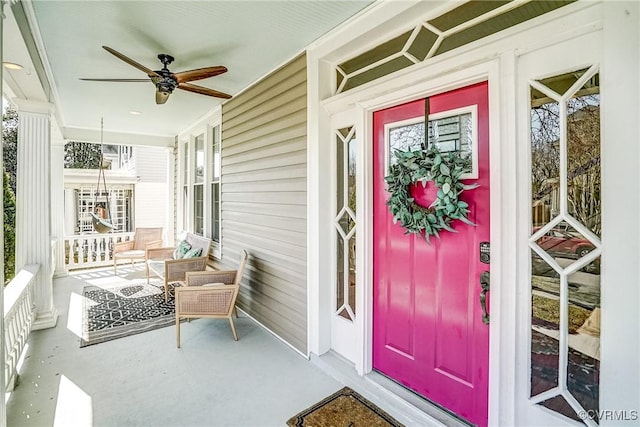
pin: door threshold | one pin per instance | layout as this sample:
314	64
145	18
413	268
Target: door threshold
401	403
438	412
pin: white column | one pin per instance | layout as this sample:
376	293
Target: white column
172	196
57	204
3	388
33	204
70	212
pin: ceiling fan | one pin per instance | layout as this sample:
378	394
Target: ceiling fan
166	81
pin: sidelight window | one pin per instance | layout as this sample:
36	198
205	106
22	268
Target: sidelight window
565	243
345	223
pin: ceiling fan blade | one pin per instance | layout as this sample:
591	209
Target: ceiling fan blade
161	97
131	62
116	80
203	90
199	73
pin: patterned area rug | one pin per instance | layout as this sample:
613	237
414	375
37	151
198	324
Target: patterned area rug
120	311
343	408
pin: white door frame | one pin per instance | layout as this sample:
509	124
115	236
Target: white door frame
378	97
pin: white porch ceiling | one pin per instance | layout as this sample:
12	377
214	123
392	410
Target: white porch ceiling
250	38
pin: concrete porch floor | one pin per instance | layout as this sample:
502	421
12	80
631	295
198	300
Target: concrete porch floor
144	380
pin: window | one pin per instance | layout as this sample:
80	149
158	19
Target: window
345	223
185	185
565	245
120	205
452	130
198	187
215	184
200	160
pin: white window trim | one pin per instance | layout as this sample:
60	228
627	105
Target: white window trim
204	127
212	126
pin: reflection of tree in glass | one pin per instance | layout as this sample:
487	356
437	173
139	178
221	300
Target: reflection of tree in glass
583	159
405	138
583	156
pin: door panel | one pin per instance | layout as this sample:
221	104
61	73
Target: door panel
428	329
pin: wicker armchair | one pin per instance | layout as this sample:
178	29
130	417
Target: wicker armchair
210	294
160	262
143	239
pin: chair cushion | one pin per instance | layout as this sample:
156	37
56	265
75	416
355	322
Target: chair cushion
157	266
182	248
193	253
135	253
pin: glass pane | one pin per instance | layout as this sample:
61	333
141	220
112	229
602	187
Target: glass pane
452	133
198	204
405	138
583	371
545	162
215	212
376	54
346	195
339	78
561	406
216	153
346	223
545	326
560	84
464	13
378	71
199	172
564	243
185	163
494	24
352	273
185	207
340	297
583	157
422	43
340	160
351	154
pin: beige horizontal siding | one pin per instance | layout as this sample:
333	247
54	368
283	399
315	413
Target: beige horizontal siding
264	199
277	222
280	210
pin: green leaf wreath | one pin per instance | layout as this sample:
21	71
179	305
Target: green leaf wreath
445	170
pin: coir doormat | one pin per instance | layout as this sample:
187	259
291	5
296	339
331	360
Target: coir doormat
343	408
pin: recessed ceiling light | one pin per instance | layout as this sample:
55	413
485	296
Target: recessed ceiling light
135	113
12	66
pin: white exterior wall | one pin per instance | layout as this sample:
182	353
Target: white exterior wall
152	191
151	204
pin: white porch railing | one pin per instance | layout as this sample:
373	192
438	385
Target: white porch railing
19	315
91	250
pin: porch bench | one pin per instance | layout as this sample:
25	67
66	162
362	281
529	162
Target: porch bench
161	262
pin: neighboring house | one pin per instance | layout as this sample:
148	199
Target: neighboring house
151	192
136	179
292	169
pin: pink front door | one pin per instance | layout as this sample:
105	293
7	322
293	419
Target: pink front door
428	329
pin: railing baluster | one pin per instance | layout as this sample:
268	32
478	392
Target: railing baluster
19	315
92	250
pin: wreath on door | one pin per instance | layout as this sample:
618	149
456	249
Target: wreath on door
445	170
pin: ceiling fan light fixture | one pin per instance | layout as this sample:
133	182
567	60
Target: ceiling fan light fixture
12	66
166	81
